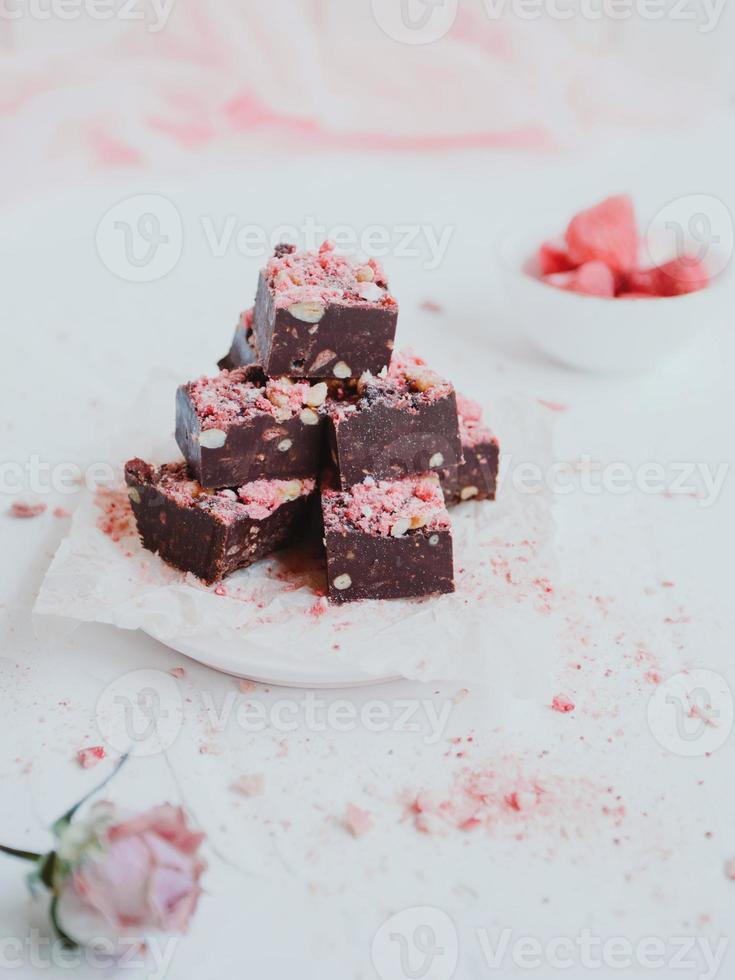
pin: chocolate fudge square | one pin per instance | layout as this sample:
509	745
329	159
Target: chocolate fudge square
400	422
241	426
213	533
387	539
321	315
242	352
476	478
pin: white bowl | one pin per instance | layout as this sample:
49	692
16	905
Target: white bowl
596	334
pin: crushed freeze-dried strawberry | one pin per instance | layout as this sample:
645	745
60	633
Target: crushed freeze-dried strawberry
90	757
26	511
562	704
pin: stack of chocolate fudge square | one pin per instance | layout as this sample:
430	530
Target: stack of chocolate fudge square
312	405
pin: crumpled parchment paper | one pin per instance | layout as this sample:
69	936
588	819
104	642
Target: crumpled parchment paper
267	622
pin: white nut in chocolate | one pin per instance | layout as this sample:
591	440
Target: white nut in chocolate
434	540
322	359
134	495
370	292
342	582
316	395
212	439
284	445
436	460
292	490
309	417
400	527
422	380
467	493
342	370
308	311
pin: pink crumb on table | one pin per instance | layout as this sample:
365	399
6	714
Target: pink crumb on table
430	306
88	758
358	822
553	406
730	870
61	512
179	673
252	785
562	704
26	511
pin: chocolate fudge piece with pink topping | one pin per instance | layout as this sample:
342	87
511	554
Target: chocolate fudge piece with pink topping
401	422
242	352
476	477
321	315
387	539
212	533
241	426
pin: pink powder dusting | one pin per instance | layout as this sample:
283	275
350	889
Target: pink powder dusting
472	431
230	397
562	704
26	511
325	277
388	507
358	822
90	757
116	519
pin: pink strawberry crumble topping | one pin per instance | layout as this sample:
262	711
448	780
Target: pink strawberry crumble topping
256	500
325	277
389	508
236	396
408	383
472	430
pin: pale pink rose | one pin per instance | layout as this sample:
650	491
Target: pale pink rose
139	871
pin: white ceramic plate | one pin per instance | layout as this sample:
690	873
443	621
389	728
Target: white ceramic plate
265	670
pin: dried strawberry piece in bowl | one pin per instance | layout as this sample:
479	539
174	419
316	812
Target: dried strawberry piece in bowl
606	233
590	279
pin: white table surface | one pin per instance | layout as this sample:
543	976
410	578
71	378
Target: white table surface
631	840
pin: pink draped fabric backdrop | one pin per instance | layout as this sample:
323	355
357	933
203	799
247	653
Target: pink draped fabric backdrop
81	94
